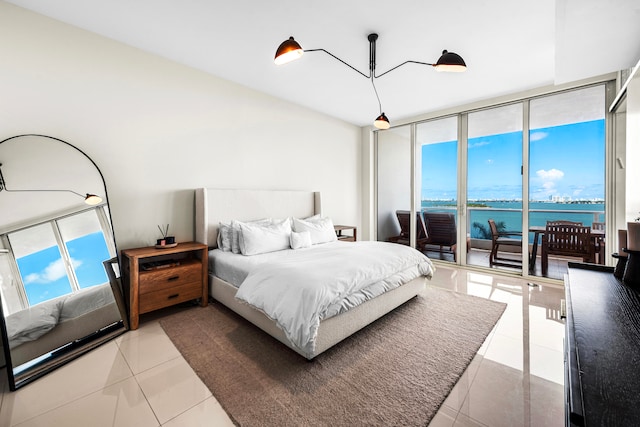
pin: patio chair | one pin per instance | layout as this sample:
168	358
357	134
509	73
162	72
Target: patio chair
504	238
567	239
404	222
441	232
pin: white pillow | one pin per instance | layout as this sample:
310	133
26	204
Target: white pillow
300	240
321	229
258	239
235	232
224	237
280	221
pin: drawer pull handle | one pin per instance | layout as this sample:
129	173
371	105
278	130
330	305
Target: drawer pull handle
173	278
173	296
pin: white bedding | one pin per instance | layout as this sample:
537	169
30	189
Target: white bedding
299	288
234	268
31	323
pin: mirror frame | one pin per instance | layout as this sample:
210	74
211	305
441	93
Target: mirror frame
74	349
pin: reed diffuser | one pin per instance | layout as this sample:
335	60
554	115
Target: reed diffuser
166	239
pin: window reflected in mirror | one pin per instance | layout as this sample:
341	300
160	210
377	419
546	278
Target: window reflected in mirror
57	258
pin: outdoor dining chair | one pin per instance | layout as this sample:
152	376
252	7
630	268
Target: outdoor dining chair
567	239
504	238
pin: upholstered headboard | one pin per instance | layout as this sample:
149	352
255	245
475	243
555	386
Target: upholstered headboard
214	205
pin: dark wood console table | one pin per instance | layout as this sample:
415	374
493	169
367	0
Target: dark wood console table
602	348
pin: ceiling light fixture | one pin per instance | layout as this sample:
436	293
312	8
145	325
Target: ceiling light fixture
290	50
89	199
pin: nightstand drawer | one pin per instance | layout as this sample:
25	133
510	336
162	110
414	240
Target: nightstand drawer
169	278
170	296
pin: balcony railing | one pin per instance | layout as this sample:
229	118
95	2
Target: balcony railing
511	219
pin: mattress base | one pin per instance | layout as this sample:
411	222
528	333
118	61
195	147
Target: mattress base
332	330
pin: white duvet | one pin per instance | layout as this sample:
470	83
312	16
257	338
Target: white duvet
308	284
33	322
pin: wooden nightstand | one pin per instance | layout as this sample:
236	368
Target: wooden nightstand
346	237
157	278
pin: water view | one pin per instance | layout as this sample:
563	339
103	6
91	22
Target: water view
509	213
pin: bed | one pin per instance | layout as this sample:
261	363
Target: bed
45	327
221	206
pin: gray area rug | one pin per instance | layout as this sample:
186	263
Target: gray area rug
396	371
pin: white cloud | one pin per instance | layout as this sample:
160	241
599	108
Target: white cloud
479	144
51	272
31	278
537	136
552	174
547	180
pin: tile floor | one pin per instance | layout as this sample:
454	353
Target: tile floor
140	379
557	267
517	376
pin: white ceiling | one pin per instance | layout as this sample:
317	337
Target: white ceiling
509	46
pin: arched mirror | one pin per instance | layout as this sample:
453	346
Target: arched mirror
58	266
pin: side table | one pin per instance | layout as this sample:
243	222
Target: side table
155	278
346	237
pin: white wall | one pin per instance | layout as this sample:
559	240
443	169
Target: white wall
632	166
157	129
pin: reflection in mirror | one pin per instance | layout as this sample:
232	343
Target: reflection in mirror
58	298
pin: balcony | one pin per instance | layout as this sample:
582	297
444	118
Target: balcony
479	241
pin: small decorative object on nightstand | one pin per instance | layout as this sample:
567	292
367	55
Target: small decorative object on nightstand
157	278
166	241
346	237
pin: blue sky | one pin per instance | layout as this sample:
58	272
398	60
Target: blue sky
565	161
45	277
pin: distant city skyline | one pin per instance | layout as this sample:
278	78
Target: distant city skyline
550	200
566	163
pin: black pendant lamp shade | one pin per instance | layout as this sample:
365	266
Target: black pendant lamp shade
92	199
382	122
289	50
451	62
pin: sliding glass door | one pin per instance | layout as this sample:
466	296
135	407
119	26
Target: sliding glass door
494	187
437	148
567	176
483	184
394	184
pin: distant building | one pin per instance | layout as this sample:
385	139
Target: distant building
560	199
